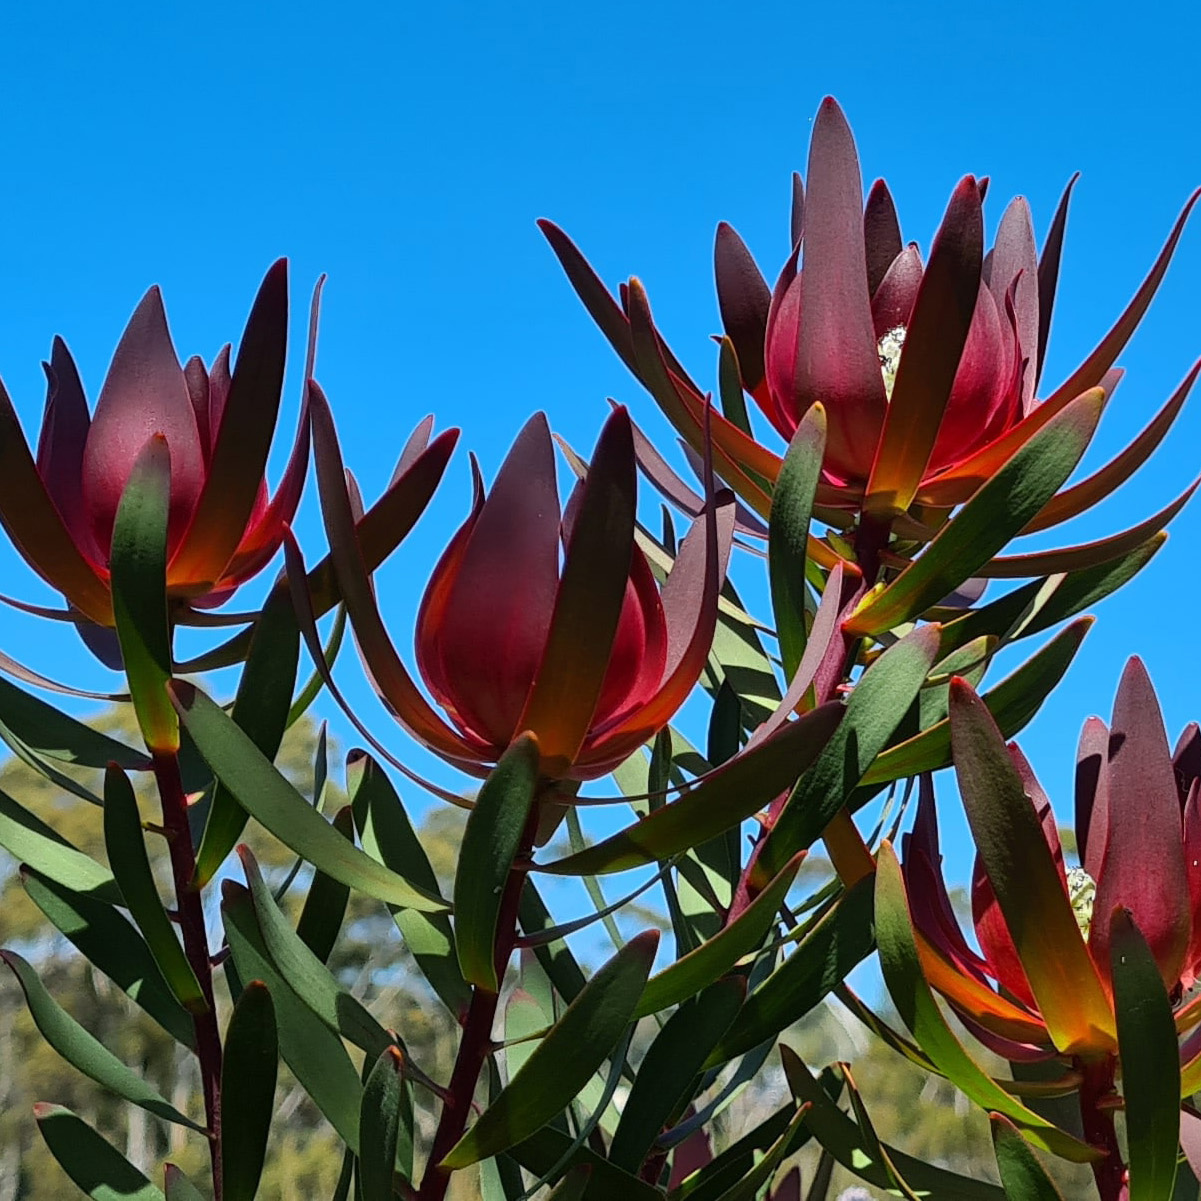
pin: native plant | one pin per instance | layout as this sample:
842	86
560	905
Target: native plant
558	638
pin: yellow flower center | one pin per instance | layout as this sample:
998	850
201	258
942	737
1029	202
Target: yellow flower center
1082	889
889	349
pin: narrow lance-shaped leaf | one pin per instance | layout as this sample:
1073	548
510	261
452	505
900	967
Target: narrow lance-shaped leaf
387	835
878	702
248	1071
819	963
261	709
124	840
564	1061
94	1164
665	1076
721	800
1022	1177
85	1052
379	1126
914	1001
1029	889
490	846
1150	1061
788	533
325	906
994	514
264	793
139	581
110	943
178	1187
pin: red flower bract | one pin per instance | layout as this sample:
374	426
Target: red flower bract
223	528
543	621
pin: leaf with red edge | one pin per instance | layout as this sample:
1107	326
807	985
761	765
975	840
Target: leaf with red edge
1029	888
1048	273
881	234
349	559
986	522
588	604
1089	373
1088	554
934	342
36	529
902	969
723	799
242	441
1142	827
743	298
1084	495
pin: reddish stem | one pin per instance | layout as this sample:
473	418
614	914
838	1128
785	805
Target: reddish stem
1096	1114
476	1044
190	908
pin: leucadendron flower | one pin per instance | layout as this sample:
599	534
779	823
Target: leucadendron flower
927	366
537	619
1138	831
59	506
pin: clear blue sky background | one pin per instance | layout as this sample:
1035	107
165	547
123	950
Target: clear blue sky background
407	149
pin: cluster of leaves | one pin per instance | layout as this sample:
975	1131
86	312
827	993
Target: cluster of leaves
560	646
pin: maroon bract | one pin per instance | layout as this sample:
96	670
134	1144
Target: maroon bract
540	620
59	508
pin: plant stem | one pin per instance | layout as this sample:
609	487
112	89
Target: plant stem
190	907
1097	1121
476	1044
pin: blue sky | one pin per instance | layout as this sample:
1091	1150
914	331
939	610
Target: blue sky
407	150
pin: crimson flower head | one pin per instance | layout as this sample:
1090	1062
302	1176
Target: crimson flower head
1041	984
542	620
59	507
927	366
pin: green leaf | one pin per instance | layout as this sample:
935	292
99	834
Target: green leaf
94	1164
305	974
110	943
1022	1177
788	533
125	843
57	736
316	1056
1028	885
726	797
264	793
564	1061
541	1151
387	835
248	1071
573	1186
491	843
555	957
666	1076
686	976
312	689
30	841
747	1189
379	1126
729	380
839	1135
325	906
45	768
842	939
1150	1058
261	710
1012	703
918	1009
138	564
996	512
80	1049
178	1186
878	702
